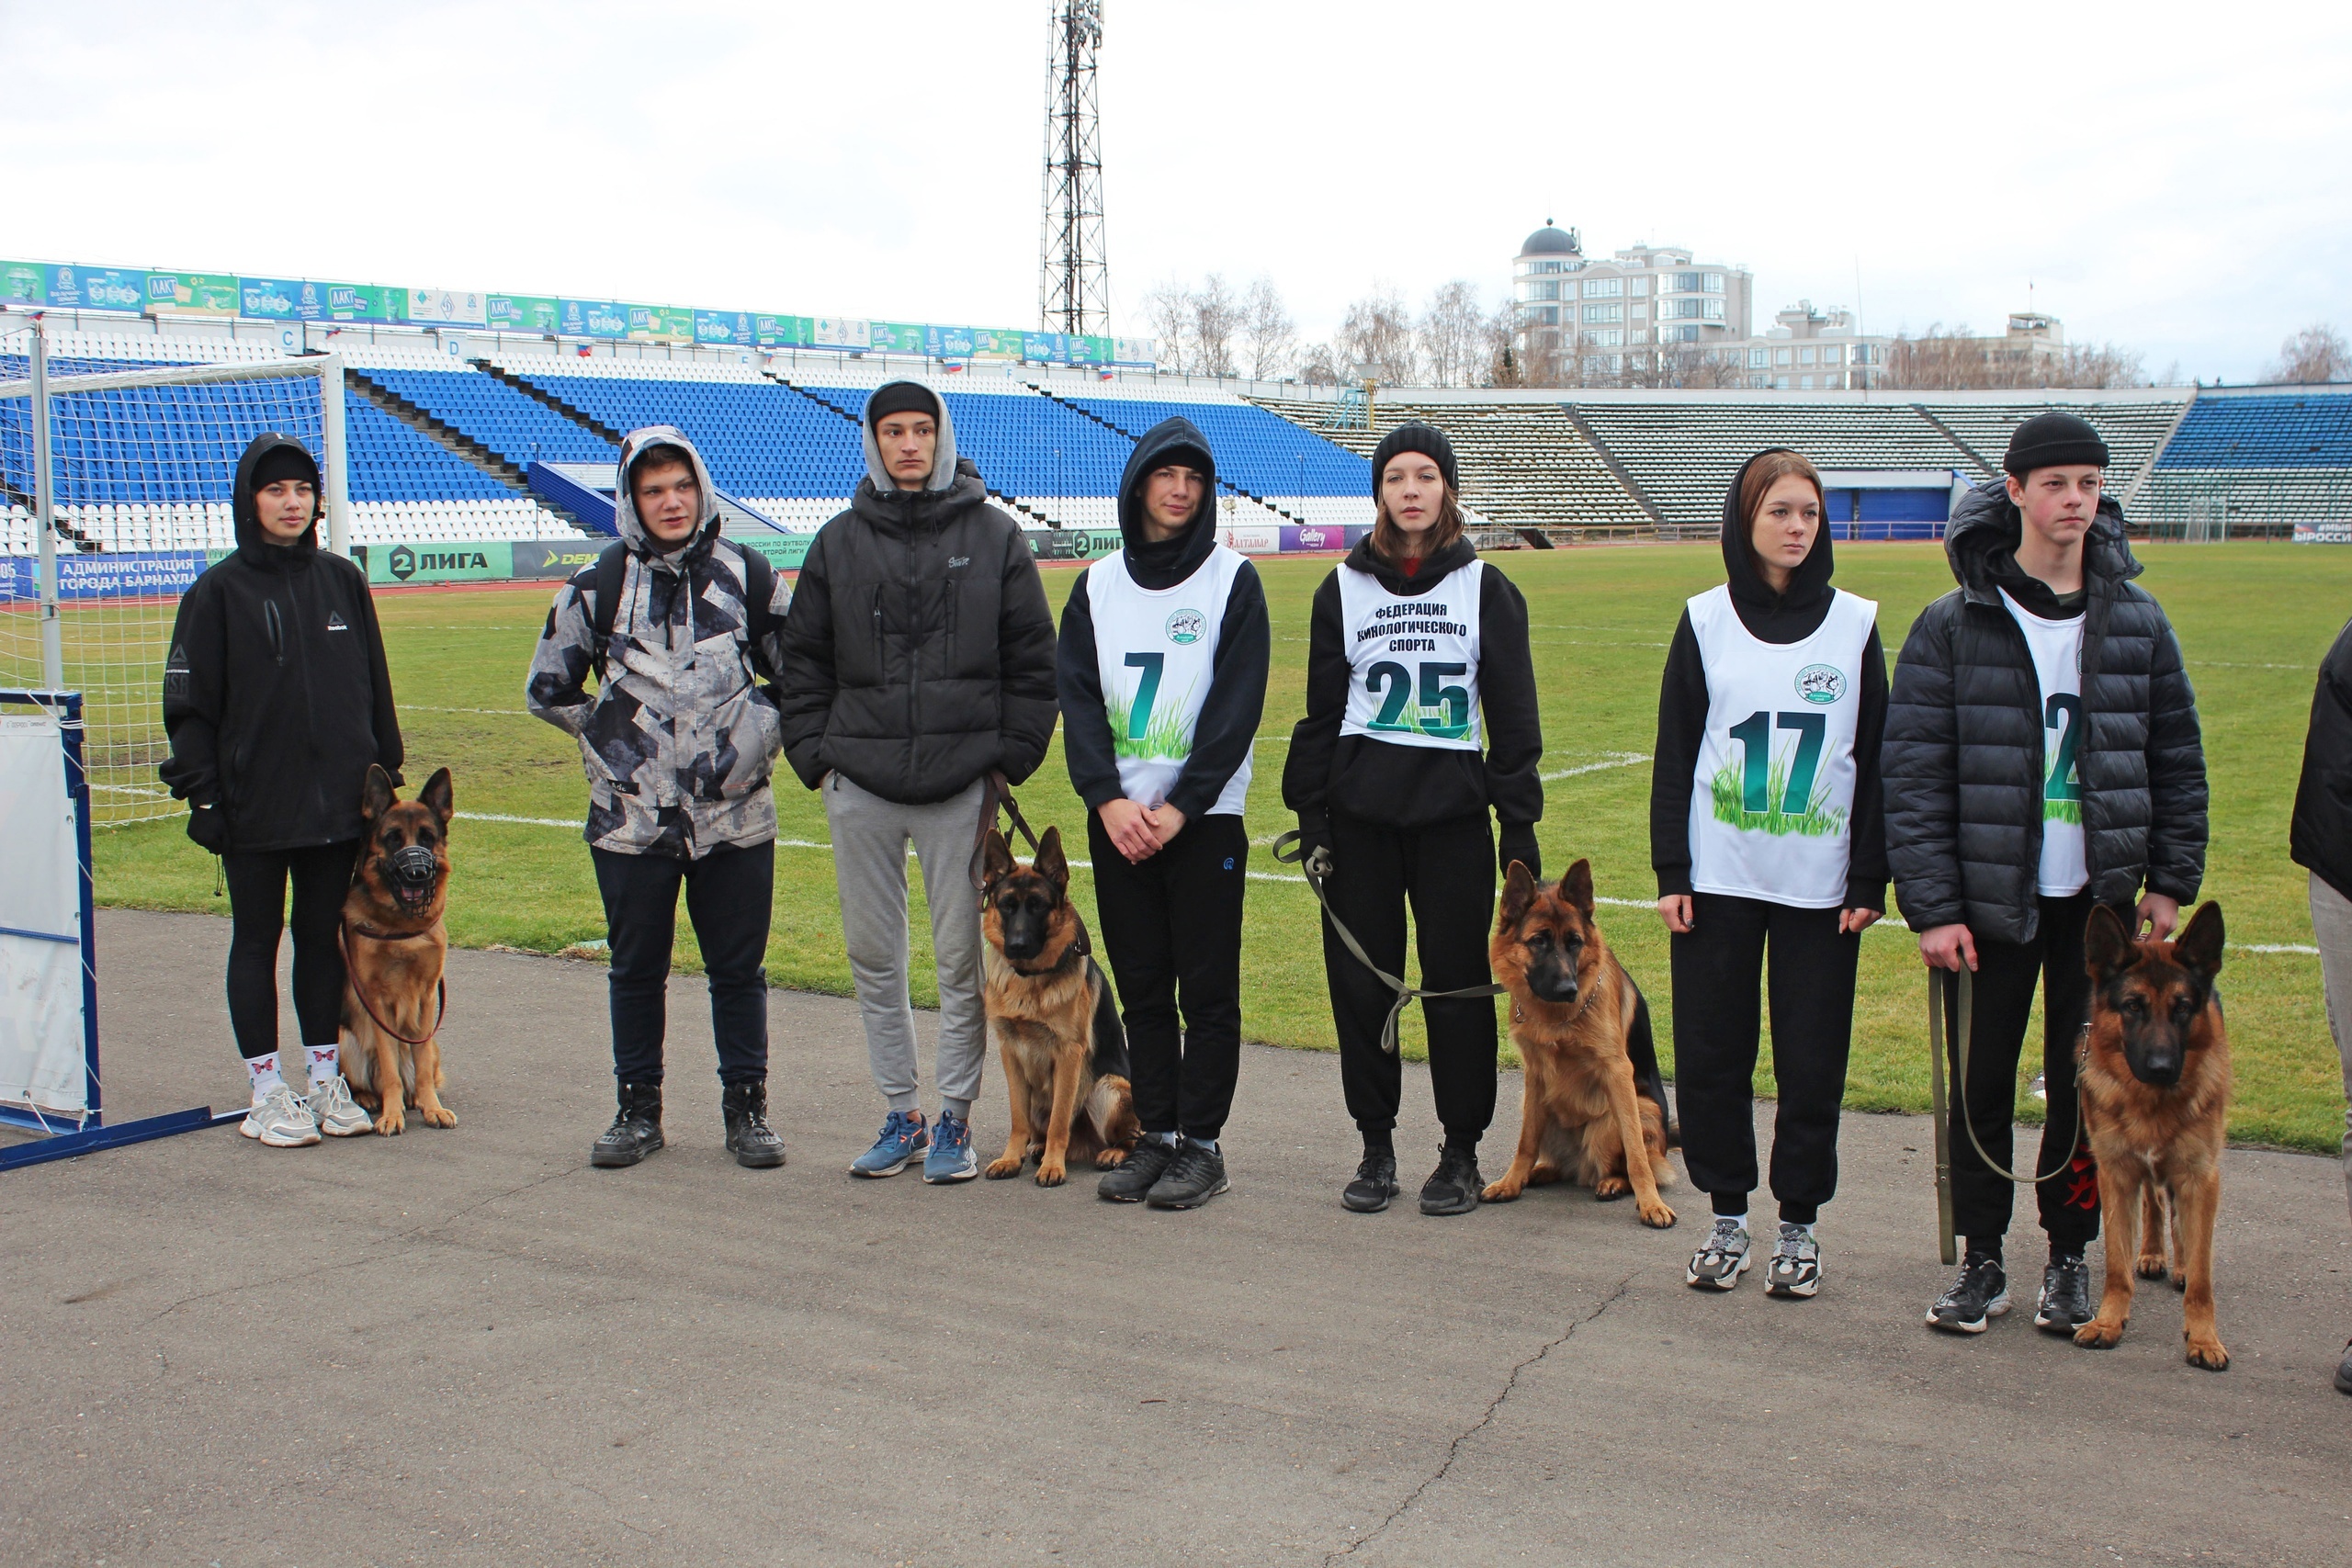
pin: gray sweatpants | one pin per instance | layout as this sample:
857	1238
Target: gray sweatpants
870	836
2332	924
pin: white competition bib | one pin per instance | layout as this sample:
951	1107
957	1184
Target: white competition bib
1772	809
2057	648
1413	662
1156	651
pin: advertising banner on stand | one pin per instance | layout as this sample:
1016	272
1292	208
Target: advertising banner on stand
1309	536
448	307
1072	544
1043	348
282	298
525	313
988	343
840	331
191	294
727	329
781	331
365	303
784	551
441	562
160	575
660	324
593	318
91	288
553	560
1251	538
26	283
895	337
1133	351
949	342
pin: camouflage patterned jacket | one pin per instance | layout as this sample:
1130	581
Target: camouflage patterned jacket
679	740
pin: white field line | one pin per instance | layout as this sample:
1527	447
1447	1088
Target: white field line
501	713
1612	760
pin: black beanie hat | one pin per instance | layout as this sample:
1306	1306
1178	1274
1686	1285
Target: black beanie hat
2052	440
285	462
1415	436
900	397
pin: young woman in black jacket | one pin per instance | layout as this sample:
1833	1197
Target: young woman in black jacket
277	700
1767	828
1421	719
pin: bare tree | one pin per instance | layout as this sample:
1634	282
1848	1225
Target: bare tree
1938	360
1269	336
1168	308
1376	335
2316	354
1217	322
1319	363
2100	365
1451	327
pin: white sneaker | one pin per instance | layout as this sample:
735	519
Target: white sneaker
282	1120
1718	1265
1796	1264
338	1114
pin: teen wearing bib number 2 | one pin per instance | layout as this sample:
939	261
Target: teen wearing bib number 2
1420	717
1767	831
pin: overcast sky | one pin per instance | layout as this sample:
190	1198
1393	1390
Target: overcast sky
2173	179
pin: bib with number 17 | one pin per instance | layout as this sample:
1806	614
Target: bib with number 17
1772	806
1413	662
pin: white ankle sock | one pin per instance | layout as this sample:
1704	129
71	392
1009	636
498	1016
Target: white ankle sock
325	1062
264	1075
1208	1143
1167	1138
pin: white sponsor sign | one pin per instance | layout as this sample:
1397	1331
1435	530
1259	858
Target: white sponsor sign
1252	538
2323	532
840	331
448	308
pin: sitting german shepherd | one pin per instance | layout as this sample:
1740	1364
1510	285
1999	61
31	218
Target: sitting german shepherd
1573	1011
1056	1027
2155	1084
393	950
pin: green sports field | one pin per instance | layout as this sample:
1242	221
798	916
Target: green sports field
2254	620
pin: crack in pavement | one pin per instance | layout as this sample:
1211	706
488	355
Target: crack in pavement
1494	1407
370	1254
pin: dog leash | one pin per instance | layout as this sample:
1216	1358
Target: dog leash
997	798
343	947
1317	866
1951	1013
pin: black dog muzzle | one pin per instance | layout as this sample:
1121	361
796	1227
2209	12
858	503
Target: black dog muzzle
415	867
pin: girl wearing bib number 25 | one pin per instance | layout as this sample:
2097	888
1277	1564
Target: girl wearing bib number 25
1420	717
1767	829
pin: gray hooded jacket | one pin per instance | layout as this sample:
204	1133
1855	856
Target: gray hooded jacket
678	740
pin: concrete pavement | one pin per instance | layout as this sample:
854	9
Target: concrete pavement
466	1348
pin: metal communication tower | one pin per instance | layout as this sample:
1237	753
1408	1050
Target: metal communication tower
1073	283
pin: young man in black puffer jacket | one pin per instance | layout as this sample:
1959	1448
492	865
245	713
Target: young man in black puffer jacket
2060	683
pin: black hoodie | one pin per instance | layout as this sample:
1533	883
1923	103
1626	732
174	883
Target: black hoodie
276	696
1780	618
1237	693
1418	786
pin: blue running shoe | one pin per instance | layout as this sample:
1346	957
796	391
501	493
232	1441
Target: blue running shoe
902	1138
951	1158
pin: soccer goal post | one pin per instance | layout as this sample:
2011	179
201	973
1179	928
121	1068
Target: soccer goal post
117	484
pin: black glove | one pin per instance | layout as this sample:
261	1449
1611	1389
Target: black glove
1517	843
208	825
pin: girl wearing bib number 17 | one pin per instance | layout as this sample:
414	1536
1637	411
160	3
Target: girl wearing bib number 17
1767	829
1420	717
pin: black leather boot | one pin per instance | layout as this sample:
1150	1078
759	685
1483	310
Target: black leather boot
748	1138
635	1131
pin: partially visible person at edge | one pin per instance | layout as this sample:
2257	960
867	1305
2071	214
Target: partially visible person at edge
677	743
919	658
2321	844
278	701
1767	829
1421	719
1162	665
2060	682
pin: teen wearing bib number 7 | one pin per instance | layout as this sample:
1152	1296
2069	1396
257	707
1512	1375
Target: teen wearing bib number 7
1421	719
1767	831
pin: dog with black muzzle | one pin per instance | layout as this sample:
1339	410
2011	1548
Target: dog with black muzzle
1055	1024
2155	1076
394	950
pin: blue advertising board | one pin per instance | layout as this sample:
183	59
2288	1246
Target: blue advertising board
95	288
723	327
104	576
282	298
593	318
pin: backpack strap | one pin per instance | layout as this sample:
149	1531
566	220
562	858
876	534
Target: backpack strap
612	578
759	592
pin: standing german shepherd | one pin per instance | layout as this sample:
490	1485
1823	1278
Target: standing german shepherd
2155	1084
394	947
1573	1008
1056	1027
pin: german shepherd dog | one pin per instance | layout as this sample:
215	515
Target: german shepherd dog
1056	1027
394	947
2156	1085
1573	1009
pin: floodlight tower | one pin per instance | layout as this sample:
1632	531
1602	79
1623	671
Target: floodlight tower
1073	283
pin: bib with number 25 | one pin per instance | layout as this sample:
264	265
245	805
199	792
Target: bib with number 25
1413	662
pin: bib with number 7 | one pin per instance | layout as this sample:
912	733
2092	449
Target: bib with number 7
1772	806
1413	662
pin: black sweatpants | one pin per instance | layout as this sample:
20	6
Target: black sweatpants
1172	932
1718	973
2006	973
729	895
1447	871
257	882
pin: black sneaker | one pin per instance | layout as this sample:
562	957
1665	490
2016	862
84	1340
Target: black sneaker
2065	1303
1454	1187
1375	1183
1195	1176
748	1138
1980	1291
635	1131
1132	1178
